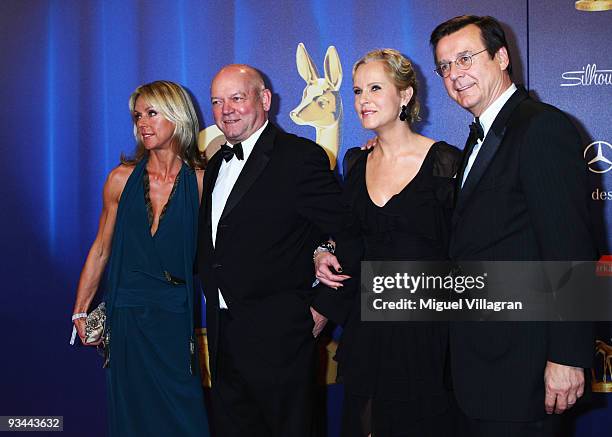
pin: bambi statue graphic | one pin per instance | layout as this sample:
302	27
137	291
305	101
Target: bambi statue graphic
321	105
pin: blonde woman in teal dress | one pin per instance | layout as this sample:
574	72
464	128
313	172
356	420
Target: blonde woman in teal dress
146	241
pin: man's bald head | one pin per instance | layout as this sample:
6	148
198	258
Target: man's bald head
240	101
251	74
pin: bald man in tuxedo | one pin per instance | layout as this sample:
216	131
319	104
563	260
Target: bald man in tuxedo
269	199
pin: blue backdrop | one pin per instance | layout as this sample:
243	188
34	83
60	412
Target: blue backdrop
68	67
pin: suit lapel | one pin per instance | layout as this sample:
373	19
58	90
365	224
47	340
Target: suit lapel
467	150
488	149
254	166
210	177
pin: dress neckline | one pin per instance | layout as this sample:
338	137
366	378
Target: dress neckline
404	188
147	198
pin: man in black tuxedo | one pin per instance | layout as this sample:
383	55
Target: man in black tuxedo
269	198
522	195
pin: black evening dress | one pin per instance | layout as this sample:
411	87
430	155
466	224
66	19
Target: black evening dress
395	373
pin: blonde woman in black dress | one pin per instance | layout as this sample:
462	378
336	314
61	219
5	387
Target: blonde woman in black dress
400	194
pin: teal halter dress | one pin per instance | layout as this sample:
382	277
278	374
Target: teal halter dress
153	381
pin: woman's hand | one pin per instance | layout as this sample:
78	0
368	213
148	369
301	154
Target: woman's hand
371	143
324	263
80	327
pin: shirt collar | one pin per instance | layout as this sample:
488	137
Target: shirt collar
249	143
489	115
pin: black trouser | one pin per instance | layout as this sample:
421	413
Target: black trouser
251	397
547	427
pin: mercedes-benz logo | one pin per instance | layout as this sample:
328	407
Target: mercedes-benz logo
595	153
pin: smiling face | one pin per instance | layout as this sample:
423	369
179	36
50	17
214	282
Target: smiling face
377	99
480	85
240	102
153	129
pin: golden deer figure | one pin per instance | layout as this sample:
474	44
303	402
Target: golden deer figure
321	105
606	353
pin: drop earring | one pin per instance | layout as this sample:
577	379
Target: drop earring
403	115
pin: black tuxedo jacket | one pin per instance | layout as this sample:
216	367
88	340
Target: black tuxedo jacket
525	198
284	203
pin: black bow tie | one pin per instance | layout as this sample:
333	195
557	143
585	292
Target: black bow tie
476	132
229	152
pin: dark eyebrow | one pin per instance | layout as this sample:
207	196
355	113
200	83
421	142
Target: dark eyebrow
463	53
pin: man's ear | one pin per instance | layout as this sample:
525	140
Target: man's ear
503	58
266	99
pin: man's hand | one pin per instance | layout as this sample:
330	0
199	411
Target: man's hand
319	322
324	261
563	386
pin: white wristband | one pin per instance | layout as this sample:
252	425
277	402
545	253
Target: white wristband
79	316
74	330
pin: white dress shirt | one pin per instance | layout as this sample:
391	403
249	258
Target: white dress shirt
228	175
486	120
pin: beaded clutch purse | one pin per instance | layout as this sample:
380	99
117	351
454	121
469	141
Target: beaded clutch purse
94	324
95	330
